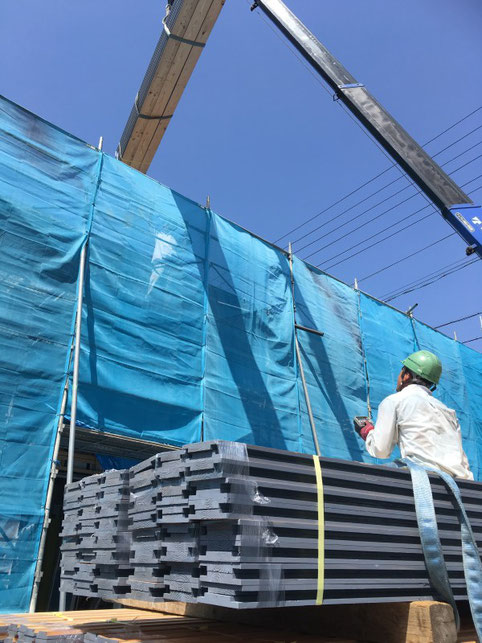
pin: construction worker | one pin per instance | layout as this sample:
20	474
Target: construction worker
425	429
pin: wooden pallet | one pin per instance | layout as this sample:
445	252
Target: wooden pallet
423	622
42	621
138	626
416	622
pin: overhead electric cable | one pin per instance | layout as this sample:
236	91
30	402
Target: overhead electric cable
454	321
358	226
395	263
374	178
420	280
337	217
364	248
474	339
432	280
457	141
342	105
378	216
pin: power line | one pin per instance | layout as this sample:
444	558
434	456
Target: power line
454	321
380	240
420	280
432	280
395	263
343	107
342	237
307	234
378	216
461	153
474	339
345	235
390	235
377	176
457	141
373	140
323	225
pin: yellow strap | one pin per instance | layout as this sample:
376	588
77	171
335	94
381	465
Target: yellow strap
321	531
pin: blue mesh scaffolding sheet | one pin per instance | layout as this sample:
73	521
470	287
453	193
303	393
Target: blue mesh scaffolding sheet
250	380
188	329
46	180
142	332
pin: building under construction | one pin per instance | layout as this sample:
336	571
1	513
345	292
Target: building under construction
192	329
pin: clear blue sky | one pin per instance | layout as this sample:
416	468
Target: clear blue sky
256	130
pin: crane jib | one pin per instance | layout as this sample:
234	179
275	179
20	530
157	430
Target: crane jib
455	206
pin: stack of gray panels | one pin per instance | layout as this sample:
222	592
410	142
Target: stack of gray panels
372	548
178	535
234	525
147	571
258	512
96	539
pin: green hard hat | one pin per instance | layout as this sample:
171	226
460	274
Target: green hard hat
425	364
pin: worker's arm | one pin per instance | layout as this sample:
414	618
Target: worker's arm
381	441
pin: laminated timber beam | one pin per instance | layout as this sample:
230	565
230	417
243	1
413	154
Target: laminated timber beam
186	28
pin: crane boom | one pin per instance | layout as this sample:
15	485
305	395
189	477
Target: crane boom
455	206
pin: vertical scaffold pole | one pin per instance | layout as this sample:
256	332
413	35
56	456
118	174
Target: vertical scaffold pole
300	362
48	500
75	375
75	383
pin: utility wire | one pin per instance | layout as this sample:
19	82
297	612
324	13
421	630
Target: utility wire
370	137
457	141
377	176
436	273
474	339
397	232
358	226
454	321
378	216
366	133
323	84
428	283
432	281
337	217
395	263
376	234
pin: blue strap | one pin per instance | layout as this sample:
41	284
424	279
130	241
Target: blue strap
470	550
428	528
470	553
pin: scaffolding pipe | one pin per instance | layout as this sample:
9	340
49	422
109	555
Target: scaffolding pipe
313	331
75	375
50	489
75	384
298	357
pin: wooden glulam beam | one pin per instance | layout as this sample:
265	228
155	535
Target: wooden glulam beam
185	32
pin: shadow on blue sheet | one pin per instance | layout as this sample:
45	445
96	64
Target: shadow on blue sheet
188	329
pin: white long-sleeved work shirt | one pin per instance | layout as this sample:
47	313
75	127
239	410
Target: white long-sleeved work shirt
424	428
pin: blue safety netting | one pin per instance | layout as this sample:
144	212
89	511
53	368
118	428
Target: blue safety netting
142	333
46	183
188	329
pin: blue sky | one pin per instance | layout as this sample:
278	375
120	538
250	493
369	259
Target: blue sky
256	130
